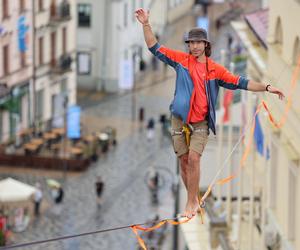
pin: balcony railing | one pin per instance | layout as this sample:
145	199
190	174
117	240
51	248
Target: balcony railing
62	65
4	90
60	13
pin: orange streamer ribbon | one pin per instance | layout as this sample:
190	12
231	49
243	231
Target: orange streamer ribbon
141	242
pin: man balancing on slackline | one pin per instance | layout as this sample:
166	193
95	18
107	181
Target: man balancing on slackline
193	108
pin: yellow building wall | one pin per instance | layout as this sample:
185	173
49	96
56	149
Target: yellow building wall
280	73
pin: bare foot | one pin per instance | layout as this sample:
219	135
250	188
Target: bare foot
191	209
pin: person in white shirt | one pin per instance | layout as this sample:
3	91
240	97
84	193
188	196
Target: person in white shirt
38	196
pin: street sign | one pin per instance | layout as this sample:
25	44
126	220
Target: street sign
73	122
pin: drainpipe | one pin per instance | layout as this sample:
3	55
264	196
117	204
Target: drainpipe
103	52
32	95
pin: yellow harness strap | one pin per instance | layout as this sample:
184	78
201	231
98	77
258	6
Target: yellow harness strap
186	130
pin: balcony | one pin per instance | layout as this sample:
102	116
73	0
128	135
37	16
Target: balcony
60	13
61	66
4	90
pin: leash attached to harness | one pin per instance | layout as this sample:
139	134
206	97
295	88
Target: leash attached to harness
187	130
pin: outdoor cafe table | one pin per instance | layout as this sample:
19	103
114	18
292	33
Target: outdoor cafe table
49	136
77	152
30	147
37	142
58	131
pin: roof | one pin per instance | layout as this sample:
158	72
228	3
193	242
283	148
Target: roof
258	22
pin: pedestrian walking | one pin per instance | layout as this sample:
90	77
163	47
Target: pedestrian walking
150	129
38	196
57	193
193	108
229	41
99	185
153	185
141	115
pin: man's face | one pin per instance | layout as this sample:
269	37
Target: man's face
197	48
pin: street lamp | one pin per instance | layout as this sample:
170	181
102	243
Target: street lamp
176	204
136	53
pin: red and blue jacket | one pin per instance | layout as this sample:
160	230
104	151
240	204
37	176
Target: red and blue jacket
184	64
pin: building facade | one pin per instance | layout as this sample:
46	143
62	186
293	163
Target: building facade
54	76
274	59
283	177
110	41
15	66
37	66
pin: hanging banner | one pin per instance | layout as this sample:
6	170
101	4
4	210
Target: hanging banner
1	30
58	110
73	122
22	34
126	74
203	22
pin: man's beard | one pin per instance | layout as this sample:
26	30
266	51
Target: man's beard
201	54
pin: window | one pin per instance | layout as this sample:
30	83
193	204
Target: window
84	15
6	60
142	4
64	40
41	5
84	63
125	15
296	51
23	59
273	176
133	9
171	4
292	201
53	49
22	5
64	85
39	105
278	35
53	9
1	127
5	9
41	50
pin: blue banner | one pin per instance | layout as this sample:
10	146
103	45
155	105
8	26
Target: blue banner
1	30
203	22
260	139
22	33
73	122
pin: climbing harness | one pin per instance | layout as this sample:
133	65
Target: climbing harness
188	130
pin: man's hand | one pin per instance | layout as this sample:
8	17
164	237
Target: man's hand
276	91
142	16
261	87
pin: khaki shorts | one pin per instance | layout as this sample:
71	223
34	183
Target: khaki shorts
198	138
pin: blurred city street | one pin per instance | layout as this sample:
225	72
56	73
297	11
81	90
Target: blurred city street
126	197
85	123
124	168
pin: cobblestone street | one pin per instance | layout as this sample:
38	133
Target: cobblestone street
126	198
126	195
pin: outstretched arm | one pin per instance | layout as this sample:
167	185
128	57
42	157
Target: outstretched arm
260	87
230	81
143	17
